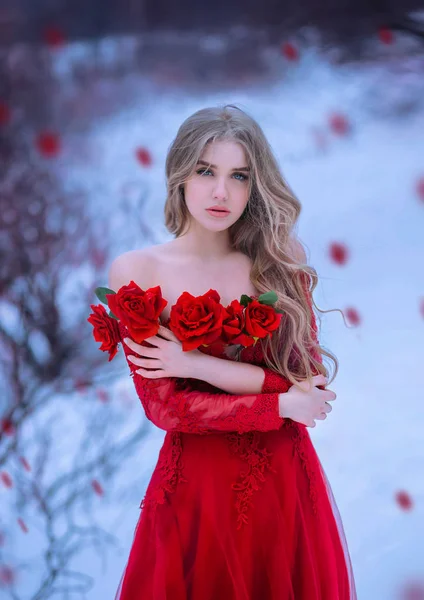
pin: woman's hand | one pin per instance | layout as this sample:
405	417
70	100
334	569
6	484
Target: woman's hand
308	403
166	355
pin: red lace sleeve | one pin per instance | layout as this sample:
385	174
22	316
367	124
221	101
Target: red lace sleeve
173	404
274	382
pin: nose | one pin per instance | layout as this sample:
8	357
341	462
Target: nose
220	191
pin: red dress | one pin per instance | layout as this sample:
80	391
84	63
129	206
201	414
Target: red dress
238	506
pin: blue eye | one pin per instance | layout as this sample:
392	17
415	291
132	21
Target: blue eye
243	176
203	171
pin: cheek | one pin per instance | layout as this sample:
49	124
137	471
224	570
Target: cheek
242	197
193	196
194	187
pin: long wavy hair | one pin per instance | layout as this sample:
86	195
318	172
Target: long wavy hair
264	232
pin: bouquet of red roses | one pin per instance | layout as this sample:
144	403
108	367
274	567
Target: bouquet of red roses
195	320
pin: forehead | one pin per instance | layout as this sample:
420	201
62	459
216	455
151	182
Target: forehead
225	153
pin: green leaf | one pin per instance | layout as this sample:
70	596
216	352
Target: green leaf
101	293
113	316
268	298
245	300
280	311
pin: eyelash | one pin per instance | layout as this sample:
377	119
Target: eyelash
201	171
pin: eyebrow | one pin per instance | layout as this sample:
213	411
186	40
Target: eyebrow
202	162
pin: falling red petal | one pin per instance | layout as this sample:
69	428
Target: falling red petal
4	114
7	427
102	395
25	463
22	525
413	591
80	386
353	316
7	576
338	253
98	258
144	157
422	307
48	144
386	35
339	124
420	188
97	487
6	479
404	500
289	51
54	37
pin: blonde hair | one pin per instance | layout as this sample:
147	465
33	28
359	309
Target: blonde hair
264	232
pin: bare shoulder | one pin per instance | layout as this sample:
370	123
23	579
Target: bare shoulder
138	265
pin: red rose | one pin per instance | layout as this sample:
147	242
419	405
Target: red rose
261	319
197	320
233	325
105	330
139	310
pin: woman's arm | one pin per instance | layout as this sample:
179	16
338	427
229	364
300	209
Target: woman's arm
173	408
231	376
244	378
172	404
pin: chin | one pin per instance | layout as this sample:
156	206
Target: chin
212	225
218	224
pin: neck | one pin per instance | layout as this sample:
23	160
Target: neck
206	245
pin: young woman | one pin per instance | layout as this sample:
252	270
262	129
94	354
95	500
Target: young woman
238	506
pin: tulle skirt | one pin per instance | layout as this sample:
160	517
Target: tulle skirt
240	517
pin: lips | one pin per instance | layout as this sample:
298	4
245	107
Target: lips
220	210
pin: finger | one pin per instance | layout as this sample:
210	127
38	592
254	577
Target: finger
168	334
330	395
312	424
145	362
319	379
306	385
138	348
151	374
155	340
321	416
148	352
327	407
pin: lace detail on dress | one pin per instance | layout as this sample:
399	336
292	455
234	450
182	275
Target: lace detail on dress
299	437
265	415
274	382
169	472
262	415
257	460
177	404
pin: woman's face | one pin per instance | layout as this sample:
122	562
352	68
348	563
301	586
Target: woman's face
225	184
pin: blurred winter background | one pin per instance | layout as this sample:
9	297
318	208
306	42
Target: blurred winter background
91	96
